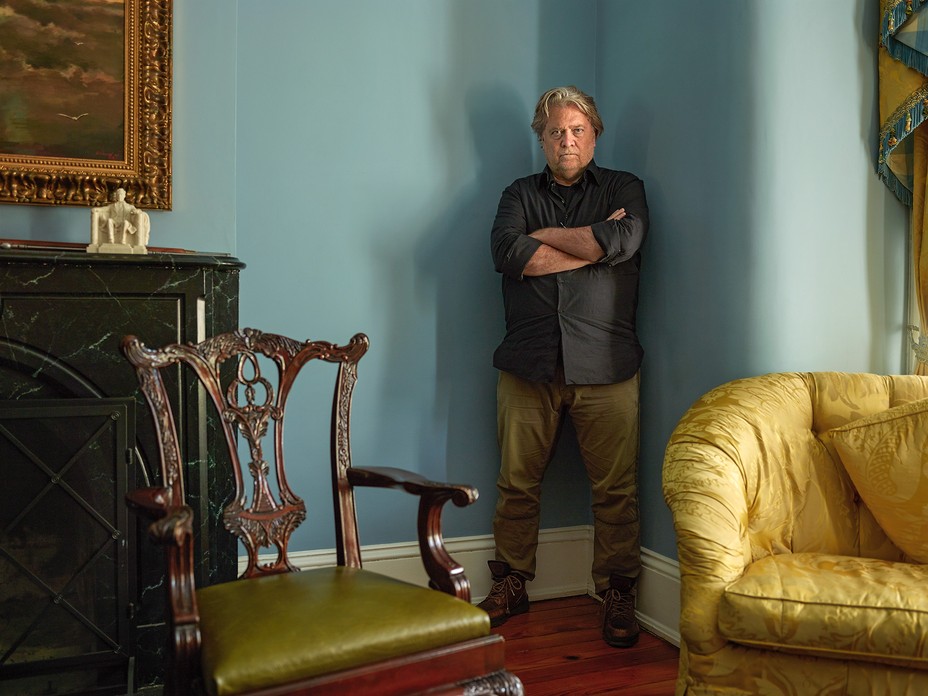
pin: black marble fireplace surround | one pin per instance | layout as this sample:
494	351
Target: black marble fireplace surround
81	586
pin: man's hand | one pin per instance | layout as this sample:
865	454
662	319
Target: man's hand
617	215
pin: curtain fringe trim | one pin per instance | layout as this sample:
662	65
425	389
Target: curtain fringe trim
909	116
894	185
891	22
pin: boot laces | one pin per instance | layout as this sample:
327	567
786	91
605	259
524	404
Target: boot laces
509	584
618	604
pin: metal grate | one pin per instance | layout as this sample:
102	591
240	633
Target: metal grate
65	466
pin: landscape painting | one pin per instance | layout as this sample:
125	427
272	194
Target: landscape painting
62	78
85	101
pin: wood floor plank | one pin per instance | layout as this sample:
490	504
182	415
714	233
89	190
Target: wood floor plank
556	649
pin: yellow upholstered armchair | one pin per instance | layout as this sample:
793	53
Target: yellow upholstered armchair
800	504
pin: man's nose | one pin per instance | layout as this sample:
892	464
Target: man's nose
568	139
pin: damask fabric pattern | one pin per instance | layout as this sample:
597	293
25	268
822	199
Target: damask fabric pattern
886	456
751	473
830	606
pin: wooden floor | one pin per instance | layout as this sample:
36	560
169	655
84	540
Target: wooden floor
556	649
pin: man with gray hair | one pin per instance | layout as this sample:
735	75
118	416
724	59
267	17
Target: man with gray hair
567	242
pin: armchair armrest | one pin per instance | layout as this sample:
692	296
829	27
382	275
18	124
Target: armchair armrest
151	502
171	524
704	487
444	573
391	477
172	527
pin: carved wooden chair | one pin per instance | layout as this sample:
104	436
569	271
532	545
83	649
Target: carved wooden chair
278	630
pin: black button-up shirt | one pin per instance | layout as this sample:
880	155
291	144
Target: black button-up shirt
587	315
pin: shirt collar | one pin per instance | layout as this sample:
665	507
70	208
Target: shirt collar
592	173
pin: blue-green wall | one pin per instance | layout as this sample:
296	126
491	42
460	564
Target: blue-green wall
352	152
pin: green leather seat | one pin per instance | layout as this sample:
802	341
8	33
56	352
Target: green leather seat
350	616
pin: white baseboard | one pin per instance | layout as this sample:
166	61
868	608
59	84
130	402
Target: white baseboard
564	558
658	604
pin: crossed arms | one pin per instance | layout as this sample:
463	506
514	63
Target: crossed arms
523	244
565	248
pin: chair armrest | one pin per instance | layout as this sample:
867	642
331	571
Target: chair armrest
172	524
172	528
444	573
391	477
150	502
704	488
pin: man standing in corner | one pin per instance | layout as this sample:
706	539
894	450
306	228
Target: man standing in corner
567	242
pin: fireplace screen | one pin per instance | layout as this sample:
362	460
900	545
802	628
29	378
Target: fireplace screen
65	612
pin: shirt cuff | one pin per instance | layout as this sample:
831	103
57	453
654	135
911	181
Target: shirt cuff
522	249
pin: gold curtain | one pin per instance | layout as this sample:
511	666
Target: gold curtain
919	247
903	153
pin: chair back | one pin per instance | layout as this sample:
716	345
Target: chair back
761	447
248	376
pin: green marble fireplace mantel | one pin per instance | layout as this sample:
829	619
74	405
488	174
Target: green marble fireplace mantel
62	317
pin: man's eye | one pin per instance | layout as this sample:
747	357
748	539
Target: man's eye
556	134
578	131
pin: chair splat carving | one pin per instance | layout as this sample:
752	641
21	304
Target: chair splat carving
251	405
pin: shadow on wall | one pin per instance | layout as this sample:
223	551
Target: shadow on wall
455	257
681	114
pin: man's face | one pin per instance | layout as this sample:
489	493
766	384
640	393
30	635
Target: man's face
568	141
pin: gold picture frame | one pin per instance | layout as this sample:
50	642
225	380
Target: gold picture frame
76	125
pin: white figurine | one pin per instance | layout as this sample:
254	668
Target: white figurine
119	228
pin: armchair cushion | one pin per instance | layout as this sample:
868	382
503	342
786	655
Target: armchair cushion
256	633
886	456
830	606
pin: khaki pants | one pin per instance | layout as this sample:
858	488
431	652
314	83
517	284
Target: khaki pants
605	417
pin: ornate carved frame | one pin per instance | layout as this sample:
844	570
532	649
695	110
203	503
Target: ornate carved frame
145	172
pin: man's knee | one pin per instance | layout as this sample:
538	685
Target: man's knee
618	510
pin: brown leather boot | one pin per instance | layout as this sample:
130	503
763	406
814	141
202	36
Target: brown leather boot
508	595
620	627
